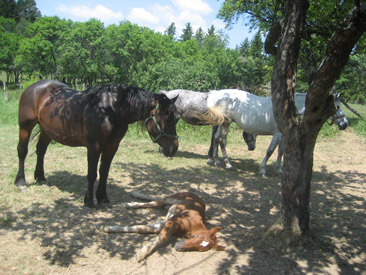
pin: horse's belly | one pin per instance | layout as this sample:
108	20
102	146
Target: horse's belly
64	134
257	125
67	138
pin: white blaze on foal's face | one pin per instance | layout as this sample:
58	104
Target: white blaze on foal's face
204	244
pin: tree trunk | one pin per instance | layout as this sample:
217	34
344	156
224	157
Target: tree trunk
300	132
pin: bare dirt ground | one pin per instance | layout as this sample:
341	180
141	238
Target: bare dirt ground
46	230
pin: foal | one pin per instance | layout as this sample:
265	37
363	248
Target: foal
184	219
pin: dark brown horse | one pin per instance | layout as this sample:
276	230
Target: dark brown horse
97	118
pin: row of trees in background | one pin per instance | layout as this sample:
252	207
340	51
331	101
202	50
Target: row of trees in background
32	46
90	53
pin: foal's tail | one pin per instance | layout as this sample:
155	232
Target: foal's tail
214	116
141	196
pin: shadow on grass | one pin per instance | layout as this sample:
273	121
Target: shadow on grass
65	228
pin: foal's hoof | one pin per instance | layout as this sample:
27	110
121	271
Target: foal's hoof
139	257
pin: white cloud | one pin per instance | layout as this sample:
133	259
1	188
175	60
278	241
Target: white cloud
219	24
193	5
165	13
84	12
140	15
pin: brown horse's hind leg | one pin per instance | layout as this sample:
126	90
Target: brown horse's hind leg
25	130
42	145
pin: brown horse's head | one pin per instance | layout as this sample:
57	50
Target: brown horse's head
204	240
161	124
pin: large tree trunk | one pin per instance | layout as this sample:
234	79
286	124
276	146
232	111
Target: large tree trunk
300	132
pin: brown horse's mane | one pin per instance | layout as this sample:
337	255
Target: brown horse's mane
126	97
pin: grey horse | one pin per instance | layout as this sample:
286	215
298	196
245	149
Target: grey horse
188	105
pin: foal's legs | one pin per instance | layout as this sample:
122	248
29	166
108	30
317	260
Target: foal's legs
272	146
42	145
25	130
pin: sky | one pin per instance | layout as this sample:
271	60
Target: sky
154	14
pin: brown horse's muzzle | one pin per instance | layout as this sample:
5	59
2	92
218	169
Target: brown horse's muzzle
169	146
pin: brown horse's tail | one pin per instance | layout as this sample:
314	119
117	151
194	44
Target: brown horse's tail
35	133
214	116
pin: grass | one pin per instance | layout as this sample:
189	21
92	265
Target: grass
48	225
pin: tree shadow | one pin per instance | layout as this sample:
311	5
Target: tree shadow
338	219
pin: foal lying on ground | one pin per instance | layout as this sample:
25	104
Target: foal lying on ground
184	219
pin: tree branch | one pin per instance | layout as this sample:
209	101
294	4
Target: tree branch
351	109
336	57
272	38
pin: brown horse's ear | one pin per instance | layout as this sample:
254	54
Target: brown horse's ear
163	100
214	230
174	99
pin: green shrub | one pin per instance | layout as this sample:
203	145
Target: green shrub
9	112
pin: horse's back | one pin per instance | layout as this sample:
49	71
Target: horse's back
188	104
252	113
189	100
31	98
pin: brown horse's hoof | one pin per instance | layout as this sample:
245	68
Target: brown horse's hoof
21	184
89	204
103	200
42	182
22	188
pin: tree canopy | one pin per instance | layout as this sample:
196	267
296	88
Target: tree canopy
89	52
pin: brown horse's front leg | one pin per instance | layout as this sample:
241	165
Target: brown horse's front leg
93	159
106	160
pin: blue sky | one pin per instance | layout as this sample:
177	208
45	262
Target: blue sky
155	14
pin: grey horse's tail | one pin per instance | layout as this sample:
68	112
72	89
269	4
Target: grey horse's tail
214	116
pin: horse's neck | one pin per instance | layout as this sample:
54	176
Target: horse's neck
300	102
137	106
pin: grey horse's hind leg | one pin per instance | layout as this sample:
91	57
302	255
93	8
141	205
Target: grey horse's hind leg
213	151
279	157
223	137
272	146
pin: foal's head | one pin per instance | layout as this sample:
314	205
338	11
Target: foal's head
161	124
204	240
